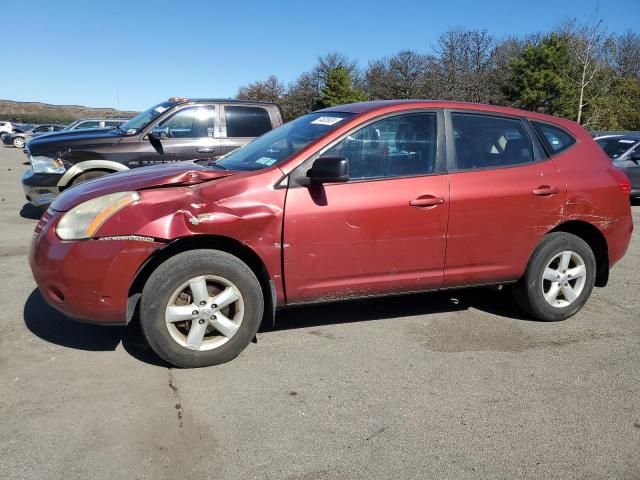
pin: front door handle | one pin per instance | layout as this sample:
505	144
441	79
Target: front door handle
206	149
545	190
426	201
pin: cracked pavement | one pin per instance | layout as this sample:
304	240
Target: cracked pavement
448	385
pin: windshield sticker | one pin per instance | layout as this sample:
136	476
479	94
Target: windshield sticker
326	120
626	141
266	161
161	109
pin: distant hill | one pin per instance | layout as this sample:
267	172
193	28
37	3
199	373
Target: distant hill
36	112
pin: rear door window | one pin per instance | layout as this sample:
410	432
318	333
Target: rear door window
484	141
245	121
88	124
555	139
112	123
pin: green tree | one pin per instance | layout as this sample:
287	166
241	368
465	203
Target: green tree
537	81
338	89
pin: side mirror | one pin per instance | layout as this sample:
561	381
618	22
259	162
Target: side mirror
635	157
328	170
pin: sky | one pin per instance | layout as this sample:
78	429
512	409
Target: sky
133	54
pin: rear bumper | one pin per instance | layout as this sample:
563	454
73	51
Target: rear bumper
40	188
87	280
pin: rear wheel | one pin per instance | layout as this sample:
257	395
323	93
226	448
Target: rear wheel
559	278
18	142
201	308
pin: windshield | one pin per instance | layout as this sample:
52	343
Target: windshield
616	147
143	119
281	143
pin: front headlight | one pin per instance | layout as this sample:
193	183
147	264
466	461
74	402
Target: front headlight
83	220
47	165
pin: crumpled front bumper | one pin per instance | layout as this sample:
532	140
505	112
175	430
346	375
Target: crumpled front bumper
87	280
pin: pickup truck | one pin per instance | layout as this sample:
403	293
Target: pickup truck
172	131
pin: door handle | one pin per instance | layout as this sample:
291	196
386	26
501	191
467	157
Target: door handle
206	149
545	190
426	201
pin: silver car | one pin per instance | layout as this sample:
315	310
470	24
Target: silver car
624	152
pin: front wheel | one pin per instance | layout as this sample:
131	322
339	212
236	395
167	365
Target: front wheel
201	308
559	278
18	142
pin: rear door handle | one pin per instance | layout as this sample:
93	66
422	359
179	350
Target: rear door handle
426	201
545	190
206	150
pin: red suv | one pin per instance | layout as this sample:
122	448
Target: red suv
356	200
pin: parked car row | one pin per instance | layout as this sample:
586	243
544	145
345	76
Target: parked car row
18	136
175	130
352	201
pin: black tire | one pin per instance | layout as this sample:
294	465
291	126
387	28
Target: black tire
86	176
179	269
528	291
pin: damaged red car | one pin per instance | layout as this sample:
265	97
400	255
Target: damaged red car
352	201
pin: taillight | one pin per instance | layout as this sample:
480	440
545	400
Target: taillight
623	181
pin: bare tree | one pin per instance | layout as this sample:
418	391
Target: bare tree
270	90
465	58
627	56
590	51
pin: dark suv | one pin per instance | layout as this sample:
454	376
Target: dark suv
175	130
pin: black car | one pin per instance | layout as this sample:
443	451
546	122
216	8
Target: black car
176	130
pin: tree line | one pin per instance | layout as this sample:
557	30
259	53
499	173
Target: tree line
579	71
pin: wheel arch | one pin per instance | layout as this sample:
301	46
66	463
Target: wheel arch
216	242
596	240
88	166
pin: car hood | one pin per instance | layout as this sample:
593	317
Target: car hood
172	175
56	141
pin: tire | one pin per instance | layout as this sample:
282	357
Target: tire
535	294
86	176
18	142
162	303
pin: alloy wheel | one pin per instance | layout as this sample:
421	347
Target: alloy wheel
204	312
563	279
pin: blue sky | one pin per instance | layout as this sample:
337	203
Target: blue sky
133	54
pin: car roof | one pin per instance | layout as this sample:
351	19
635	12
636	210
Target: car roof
217	100
367	107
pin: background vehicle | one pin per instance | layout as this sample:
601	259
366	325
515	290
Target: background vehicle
5	128
11	127
93	123
172	131
354	201
624	152
19	139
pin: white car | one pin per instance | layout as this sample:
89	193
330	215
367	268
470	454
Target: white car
6	128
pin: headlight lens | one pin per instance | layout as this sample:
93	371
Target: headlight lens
83	220
47	165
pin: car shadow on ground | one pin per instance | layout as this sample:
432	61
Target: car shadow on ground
31	212
635	202
54	327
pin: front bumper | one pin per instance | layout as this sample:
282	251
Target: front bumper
87	280
40	188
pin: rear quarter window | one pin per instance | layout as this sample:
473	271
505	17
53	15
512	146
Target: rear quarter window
244	121
555	139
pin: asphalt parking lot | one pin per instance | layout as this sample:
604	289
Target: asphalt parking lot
451	385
